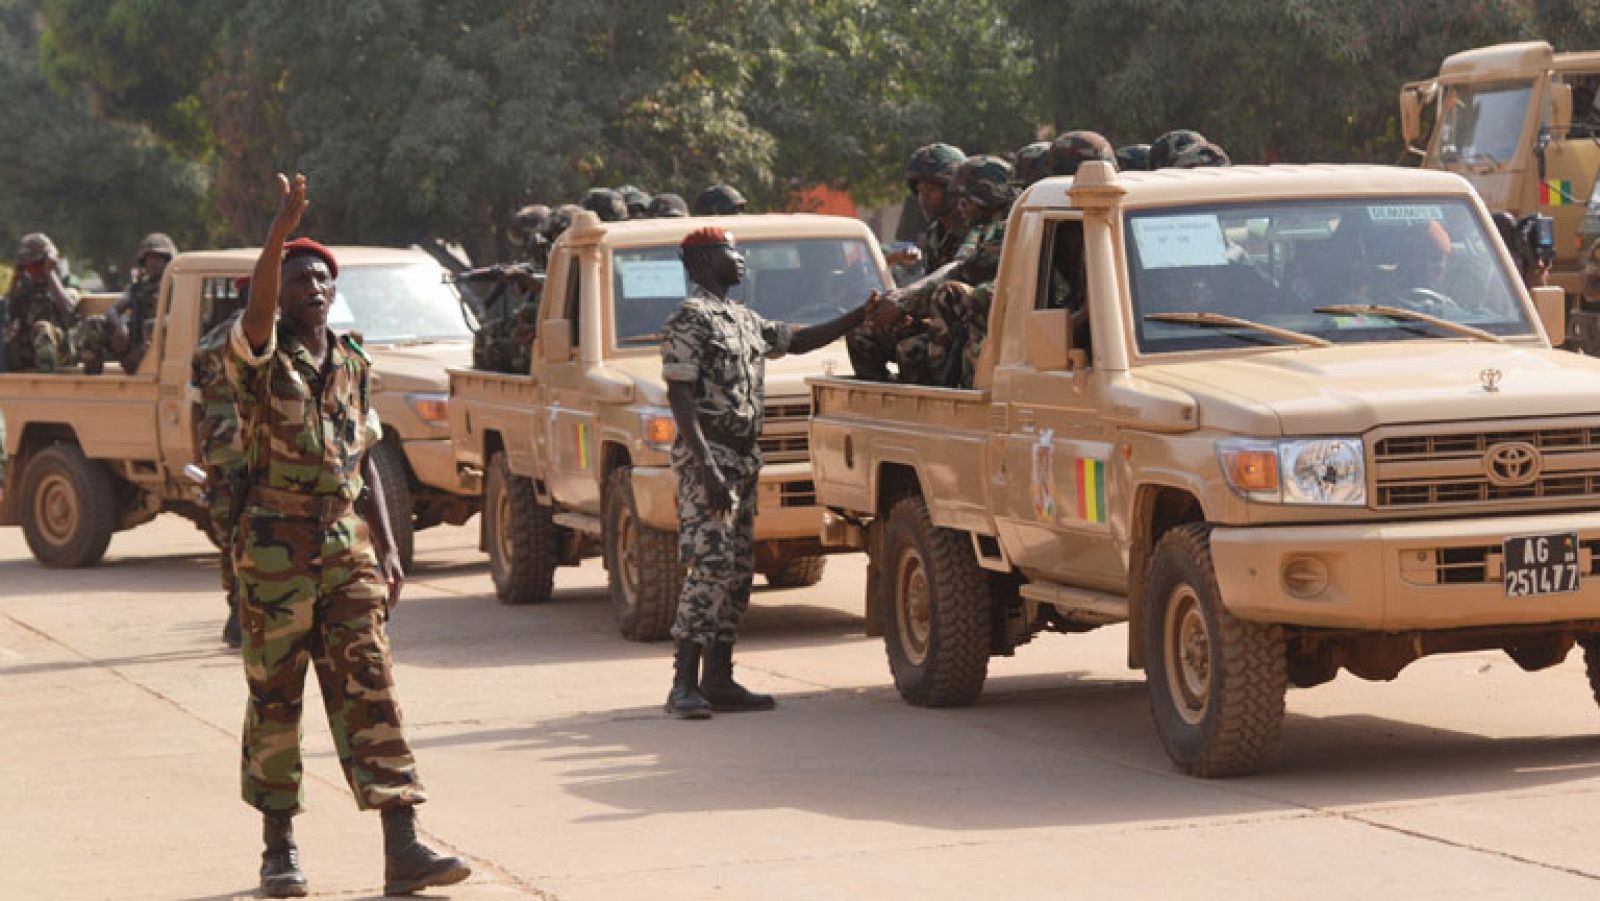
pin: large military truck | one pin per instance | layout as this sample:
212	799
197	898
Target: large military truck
575	455
90	455
1522	124
1283	421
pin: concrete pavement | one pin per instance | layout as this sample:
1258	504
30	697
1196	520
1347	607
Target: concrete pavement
540	735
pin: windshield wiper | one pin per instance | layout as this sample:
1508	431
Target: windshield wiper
1362	309
1217	320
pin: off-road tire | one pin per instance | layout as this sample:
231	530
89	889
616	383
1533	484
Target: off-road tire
397	500
68	507
645	579
797	572
1218	708
1591	663
936	610
524	543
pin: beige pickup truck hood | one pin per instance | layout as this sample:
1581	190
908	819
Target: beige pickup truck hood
1348	390
418	367
785	376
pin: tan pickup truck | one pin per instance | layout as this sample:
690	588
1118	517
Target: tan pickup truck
93	455
1311	421
575	455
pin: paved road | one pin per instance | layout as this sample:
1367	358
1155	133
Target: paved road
540	735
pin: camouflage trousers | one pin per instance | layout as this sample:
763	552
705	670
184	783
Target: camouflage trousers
311	593
960	314
720	551
41	347
219	505
99	340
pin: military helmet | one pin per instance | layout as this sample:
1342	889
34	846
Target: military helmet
531	218
1165	149
1197	156
605	203
1133	157
985	180
933	162
1074	148
668	206
1029	166
157	243
719	200
34	247
636	200
561	220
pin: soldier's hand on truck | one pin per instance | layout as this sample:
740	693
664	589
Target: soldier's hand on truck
883	310
719	494
292	203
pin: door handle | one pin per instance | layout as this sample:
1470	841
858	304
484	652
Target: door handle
1027	420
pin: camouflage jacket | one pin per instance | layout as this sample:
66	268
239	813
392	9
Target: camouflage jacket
220	445
939	245
30	302
977	263
142	296
305	429
721	348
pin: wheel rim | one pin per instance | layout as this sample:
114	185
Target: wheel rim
503	527
55	508
1187	649
628	557
913	607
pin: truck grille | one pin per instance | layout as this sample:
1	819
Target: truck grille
1476	565
1454	469
784	437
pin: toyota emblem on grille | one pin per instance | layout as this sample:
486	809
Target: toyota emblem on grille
1512	464
1490	379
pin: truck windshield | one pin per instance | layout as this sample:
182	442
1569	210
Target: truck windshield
1282	265
398	302
1482	123
798	281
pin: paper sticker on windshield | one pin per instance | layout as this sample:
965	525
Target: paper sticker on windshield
1406	212
1169	242
652	278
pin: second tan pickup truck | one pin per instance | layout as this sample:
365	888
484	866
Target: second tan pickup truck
575	455
1282	421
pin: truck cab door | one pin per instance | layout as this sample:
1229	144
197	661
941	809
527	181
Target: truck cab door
570	434
180	320
1054	510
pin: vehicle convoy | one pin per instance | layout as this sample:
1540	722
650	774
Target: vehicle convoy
90	455
575	455
1522	124
1310	422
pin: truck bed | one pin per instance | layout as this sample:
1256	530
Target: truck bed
482	402
114	416
860	429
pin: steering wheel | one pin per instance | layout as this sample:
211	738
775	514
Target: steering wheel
1430	301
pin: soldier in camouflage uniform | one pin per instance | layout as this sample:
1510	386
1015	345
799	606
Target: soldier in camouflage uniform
668	206
1029	165
605	203
713	353
636	200
560	221
1133	157
1164	150
719	200
1199	156
928	175
124	333
1072	149
312	591
218	450
528	227
41	306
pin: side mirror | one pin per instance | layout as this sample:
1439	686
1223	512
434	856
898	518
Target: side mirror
1560	119
1047	339
1410	115
555	341
1551	303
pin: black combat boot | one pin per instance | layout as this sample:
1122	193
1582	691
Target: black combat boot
719	688
230	629
685	701
280	862
408	864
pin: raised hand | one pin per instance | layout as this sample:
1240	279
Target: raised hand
292	205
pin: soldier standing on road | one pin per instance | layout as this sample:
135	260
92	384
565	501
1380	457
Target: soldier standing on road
713	353
311	588
42	303
124	332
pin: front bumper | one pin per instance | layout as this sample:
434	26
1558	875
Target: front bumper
1439	574
786	501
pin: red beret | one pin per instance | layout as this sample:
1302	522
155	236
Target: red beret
709	236
300	247
241	283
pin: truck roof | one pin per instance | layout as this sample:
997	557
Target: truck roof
244	258
1240	183
589	232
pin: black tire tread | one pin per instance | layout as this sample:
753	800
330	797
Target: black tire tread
660	573
959	647
1591	664
798	572
387	460
97	504
535	540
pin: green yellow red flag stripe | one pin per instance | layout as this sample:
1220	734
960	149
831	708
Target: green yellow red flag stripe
1090	476
583	445
1555	192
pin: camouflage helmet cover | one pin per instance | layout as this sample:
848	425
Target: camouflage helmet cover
157	243
1029	166
719	200
1165	149
605	203
561	220
1133	157
531	217
1197	156
668	205
985	180
933	162
34	247
634	197
1074	148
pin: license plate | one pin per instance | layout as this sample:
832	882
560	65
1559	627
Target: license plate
1541	564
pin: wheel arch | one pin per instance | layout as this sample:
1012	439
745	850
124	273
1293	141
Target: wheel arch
1157	509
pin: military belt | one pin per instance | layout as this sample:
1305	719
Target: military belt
320	507
742	444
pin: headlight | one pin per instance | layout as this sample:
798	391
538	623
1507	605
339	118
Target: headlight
1327	471
430	407
658	428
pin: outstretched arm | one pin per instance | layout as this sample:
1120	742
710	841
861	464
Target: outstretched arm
822	334
262	312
